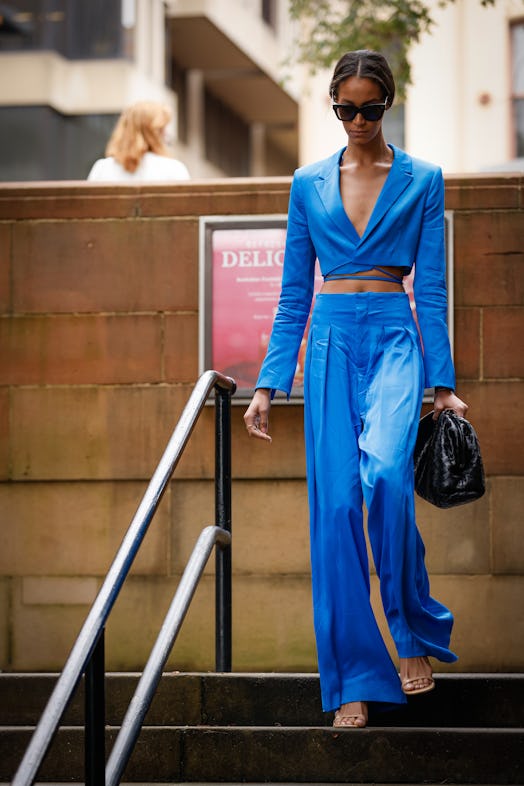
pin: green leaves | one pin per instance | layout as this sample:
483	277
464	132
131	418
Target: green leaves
327	29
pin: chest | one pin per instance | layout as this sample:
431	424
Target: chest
359	191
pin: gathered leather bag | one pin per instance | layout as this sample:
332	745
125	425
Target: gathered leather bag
448	464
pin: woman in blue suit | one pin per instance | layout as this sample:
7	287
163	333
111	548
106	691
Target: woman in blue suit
369	213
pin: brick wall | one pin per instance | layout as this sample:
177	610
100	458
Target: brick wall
98	348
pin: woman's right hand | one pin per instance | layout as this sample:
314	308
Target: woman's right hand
257	414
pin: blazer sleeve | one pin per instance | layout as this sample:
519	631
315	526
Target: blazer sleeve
279	367
430	289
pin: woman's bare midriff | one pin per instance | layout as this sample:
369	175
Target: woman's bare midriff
354	285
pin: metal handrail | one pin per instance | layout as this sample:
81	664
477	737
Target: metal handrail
93	627
143	696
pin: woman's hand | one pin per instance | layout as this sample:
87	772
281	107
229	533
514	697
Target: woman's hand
446	399
257	415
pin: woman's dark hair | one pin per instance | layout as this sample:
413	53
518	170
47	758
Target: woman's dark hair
365	64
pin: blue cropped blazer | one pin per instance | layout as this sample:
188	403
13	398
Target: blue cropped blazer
406	228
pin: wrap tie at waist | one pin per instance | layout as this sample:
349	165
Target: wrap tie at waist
386	276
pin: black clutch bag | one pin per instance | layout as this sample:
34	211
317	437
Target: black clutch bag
448	464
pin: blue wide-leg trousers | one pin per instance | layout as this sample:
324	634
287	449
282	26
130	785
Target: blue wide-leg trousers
363	389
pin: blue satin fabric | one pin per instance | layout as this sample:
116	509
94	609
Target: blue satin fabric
406	228
364	382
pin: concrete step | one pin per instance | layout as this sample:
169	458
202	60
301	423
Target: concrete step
270	728
459	700
293	754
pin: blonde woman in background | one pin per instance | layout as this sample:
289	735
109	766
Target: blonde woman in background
137	148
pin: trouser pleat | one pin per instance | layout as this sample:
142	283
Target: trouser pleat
363	389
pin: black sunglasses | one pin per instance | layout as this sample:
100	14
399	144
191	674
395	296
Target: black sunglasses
371	112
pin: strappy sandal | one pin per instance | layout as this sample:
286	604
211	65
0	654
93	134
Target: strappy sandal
407	682
355	720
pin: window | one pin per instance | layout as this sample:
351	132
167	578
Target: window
269	13
82	29
38	143
517	86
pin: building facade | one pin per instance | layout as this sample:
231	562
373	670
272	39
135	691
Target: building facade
68	67
465	107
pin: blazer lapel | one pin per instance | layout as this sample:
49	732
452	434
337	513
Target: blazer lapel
398	179
328	189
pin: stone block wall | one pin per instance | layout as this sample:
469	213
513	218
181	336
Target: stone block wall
98	355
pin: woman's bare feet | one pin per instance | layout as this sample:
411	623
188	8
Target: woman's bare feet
353	715
415	675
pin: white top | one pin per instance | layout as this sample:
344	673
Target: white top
151	167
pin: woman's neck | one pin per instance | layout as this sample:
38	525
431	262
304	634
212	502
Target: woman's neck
374	152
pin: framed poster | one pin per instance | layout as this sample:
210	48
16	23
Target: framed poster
240	275
241	261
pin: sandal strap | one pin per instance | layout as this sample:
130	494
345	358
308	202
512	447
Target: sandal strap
341	717
411	680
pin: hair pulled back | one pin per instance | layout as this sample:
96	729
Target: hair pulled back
366	64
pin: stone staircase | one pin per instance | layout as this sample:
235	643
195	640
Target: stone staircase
260	728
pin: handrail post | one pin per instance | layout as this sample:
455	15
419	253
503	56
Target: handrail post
223	520
95	748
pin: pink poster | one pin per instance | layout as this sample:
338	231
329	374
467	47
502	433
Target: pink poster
246	279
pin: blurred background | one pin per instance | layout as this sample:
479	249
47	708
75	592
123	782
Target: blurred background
69	67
